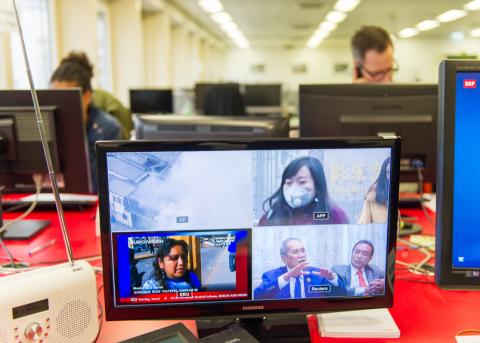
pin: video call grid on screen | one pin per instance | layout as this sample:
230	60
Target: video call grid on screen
184	195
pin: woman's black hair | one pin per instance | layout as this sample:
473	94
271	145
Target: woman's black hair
383	185
162	251
278	207
77	68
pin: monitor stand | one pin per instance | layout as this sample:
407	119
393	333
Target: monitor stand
291	328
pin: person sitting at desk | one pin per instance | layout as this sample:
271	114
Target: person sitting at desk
372	51
296	279
302	193
361	277
375	206
75	70
170	268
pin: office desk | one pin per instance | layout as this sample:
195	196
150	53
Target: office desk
81	227
422	311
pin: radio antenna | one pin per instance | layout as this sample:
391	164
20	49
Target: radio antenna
43	137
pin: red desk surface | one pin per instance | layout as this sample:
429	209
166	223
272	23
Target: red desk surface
81	228
422	311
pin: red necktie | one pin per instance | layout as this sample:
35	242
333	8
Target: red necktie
361	279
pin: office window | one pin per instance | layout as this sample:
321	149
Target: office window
103	50
35	20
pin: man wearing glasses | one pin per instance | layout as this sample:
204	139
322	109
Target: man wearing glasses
373	60
296	279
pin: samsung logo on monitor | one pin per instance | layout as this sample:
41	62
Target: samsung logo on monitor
386	107
250	308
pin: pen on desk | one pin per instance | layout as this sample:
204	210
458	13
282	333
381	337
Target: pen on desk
41	247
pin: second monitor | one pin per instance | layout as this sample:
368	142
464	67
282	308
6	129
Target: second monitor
406	110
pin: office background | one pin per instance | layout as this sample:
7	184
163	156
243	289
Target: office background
174	43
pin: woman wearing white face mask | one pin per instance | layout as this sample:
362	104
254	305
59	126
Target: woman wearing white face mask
302	198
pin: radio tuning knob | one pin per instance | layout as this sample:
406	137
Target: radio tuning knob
33	331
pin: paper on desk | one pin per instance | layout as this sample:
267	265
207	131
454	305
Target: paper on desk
372	323
468	339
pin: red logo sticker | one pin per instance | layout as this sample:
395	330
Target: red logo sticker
469	83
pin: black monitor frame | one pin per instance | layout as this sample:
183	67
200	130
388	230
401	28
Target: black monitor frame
63	107
202	88
263	95
334	110
150	100
153	127
247	308
445	275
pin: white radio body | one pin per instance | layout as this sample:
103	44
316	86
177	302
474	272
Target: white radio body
51	304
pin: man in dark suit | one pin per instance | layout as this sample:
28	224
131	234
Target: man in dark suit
361	277
296	279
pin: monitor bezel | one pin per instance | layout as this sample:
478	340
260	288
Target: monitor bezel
248	308
445	275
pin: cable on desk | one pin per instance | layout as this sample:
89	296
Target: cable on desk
416	267
466	331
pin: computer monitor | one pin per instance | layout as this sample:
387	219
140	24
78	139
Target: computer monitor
263	95
22	153
406	110
152	127
151	101
198	229
457	258
201	90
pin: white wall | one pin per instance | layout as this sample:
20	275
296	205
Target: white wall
127	47
76	27
418	60
158	57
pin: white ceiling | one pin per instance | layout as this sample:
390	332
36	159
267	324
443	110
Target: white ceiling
291	22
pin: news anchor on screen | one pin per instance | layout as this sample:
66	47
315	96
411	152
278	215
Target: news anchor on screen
302	197
296	279
361	277
170	268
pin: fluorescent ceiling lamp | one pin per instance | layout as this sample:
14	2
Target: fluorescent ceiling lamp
320	33
221	18
472	5
229	26
236	35
451	15
314	42
475	33
427	25
211	6
346	5
408	32
327	26
336	17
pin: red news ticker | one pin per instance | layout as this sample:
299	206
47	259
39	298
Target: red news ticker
469	83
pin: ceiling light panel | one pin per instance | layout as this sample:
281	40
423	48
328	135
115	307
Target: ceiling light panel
336	16
427	25
225	21
472	5
475	32
408	32
451	15
346	5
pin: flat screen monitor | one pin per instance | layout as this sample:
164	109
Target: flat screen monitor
201	90
21	151
408	111
151	100
263	95
457	263
152	127
252	228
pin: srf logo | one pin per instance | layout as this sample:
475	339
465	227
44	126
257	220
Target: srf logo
469	83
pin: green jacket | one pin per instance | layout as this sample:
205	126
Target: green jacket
108	103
